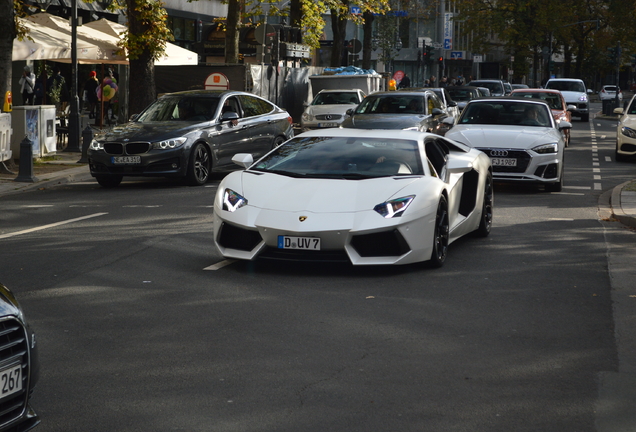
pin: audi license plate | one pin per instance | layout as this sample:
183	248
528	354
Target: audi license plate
504	162
304	243
326	125
126	160
10	380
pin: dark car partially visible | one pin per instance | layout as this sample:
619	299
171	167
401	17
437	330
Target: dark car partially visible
19	367
406	110
189	135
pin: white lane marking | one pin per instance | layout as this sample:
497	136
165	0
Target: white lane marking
38	205
597	177
577	187
567	193
140	206
562	219
603	136
597	186
608	158
43	227
221	264
596	170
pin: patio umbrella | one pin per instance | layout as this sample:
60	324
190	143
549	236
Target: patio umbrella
174	55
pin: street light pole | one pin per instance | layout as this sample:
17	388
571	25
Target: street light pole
74	117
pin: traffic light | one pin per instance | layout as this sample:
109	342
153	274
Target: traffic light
612	58
427	54
440	60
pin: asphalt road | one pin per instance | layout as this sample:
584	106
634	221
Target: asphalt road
137	333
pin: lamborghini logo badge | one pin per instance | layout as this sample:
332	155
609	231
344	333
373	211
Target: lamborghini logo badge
302	218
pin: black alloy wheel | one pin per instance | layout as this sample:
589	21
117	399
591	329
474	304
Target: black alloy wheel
278	141
485	224
440	238
199	166
109	181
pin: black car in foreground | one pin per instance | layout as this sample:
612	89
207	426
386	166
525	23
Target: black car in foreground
19	367
188	135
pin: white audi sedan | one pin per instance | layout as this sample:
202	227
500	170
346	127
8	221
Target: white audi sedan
626	132
368	197
523	141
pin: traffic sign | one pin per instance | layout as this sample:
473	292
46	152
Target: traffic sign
217	81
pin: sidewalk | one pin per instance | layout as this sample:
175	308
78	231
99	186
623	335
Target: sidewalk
63	167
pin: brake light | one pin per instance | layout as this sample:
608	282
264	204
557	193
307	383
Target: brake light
290	120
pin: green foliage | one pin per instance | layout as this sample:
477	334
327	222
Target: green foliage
147	32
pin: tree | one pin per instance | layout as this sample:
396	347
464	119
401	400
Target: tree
145	42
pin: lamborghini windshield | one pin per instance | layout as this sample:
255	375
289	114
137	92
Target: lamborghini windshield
343	158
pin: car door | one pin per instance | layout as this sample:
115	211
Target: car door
437	153
229	137
260	116
433	120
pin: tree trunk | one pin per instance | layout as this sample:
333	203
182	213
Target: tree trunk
367	38
295	13
339	27
232	32
142	91
7	33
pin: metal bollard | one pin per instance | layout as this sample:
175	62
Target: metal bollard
25	174
87	138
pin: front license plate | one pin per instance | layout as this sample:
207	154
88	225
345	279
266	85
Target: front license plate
10	380
304	243
504	162
326	125
126	160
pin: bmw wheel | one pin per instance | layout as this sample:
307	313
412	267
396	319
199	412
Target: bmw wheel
278	141
485	224
440	238
199	166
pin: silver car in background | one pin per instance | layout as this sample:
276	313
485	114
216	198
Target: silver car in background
329	108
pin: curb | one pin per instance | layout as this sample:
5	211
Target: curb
617	209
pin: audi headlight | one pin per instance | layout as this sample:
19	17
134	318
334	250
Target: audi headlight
546	148
233	201
169	143
631	133
96	145
394	208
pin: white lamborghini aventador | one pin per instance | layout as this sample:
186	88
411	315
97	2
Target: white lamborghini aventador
366	196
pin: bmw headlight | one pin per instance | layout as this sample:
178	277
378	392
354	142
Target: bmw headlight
631	133
583	98
233	201
169	143
394	208
546	148
96	145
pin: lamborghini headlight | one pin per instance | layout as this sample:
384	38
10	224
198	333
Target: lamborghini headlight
169	143
233	201
546	148
394	208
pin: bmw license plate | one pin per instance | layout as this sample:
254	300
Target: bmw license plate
10	380
125	160
304	243
503	162
326	125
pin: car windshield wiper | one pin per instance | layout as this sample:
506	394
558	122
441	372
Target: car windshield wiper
283	172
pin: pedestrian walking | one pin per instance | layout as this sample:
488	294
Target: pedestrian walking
90	89
27	86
